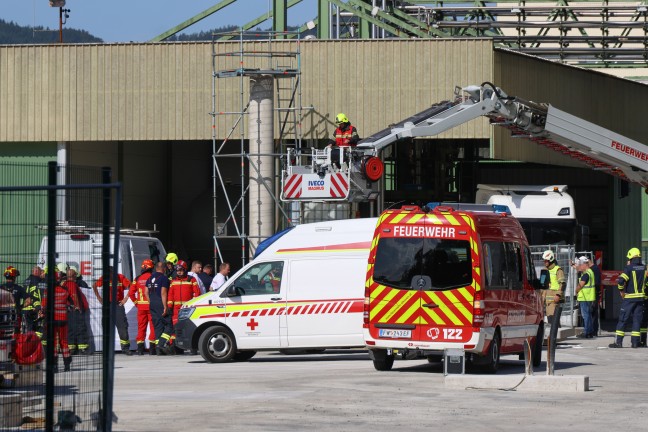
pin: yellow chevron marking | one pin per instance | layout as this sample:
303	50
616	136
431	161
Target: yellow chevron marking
398	218
397	307
414	219
453	220
460	306
434	219
404	317
377	307
434	316
445	309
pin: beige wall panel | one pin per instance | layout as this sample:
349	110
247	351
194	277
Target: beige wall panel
599	98
377	83
163	91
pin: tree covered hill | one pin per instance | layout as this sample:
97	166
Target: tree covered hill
12	33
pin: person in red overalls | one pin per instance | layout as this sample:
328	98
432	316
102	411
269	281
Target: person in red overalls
62	299
183	288
344	136
138	295
120	318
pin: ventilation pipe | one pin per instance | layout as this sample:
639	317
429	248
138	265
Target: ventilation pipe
261	137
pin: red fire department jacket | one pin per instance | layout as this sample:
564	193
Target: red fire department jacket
180	292
62	299
136	292
122	283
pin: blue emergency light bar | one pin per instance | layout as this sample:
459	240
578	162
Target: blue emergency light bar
479	208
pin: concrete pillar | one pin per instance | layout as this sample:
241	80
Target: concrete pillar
261	138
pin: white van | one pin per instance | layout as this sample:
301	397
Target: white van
304	291
82	249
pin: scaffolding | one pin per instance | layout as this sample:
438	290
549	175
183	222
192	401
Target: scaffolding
258	57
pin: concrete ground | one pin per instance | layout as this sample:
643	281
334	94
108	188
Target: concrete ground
340	390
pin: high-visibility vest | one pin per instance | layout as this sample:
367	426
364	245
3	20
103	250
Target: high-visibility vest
553	278
588	292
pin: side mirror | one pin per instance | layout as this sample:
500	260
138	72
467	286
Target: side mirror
234	291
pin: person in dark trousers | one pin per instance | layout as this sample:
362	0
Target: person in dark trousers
34	286
631	286
78	336
157	290
597	304
345	135
123	285
586	296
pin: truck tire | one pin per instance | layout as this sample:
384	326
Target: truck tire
382	361
244	355
493	355
537	347
217	345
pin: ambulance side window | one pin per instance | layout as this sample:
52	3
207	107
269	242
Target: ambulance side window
262	278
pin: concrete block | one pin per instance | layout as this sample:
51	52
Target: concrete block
31	375
10	410
531	383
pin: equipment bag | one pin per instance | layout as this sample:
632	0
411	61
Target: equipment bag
28	349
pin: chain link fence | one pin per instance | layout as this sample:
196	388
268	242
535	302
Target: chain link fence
52	377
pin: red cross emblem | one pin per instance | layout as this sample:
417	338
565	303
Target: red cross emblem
252	324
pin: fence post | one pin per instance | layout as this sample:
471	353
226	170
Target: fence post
108	308
49	312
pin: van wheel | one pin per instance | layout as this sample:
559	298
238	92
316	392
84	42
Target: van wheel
244	355
217	345
382	361
537	347
493	355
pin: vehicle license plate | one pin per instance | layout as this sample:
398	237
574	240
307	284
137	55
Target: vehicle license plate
388	333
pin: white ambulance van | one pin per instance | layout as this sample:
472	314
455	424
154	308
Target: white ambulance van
81	248
304	291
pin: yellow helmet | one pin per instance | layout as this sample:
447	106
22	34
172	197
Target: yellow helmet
634	252
172	258
341	118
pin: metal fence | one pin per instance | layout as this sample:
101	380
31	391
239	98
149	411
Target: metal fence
52	375
565	255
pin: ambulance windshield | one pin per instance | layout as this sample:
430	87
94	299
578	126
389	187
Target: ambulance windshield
446	262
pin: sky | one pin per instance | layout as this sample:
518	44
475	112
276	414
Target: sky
142	20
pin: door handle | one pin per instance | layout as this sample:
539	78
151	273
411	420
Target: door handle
431	305
220	306
275	298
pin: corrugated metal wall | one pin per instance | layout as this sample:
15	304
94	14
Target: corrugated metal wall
163	91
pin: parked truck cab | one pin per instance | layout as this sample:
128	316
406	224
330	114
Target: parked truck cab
441	277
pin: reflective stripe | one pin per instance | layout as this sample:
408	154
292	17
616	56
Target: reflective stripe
620	333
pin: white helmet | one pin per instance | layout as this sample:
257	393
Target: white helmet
548	255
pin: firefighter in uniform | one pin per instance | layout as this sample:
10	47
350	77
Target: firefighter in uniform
120	318
183	288
34	286
78	340
556	293
631	286
141	300
345	135
19	294
171	261
62	300
156	290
